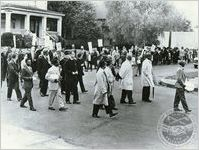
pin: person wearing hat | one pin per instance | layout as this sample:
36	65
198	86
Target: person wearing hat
71	79
80	64
126	80
43	64
147	79
180	88
101	91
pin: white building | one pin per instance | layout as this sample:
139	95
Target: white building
30	16
180	39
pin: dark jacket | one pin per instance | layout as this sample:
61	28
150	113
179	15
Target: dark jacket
70	73
42	67
80	63
3	67
13	74
70	67
62	63
27	75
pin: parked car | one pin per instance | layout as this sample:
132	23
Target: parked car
195	62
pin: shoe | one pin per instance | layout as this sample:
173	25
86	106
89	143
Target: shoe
113	114
95	116
9	99
22	106
46	95
68	102
51	108
63	92
123	102
76	102
132	102
32	109
177	109
187	111
115	108
85	91
19	99
148	101
62	109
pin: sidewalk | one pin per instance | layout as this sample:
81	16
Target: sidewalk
19	138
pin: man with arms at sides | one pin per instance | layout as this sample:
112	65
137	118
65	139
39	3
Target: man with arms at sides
27	77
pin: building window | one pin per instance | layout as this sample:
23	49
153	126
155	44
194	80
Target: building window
13	23
3	20
51	24
22	22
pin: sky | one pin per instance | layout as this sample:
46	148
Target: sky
187	8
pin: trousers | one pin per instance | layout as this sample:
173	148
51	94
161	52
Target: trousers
127	93
56	94
180	97
27	97
43	86
72	88
80	80
17	90
145	93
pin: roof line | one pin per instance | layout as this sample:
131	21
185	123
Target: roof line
33	10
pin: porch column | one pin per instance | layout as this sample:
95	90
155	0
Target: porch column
44	20
59	26
27	22
8	22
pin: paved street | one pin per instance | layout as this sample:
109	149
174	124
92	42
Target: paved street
134	127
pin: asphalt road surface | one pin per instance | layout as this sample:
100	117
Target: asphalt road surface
134	127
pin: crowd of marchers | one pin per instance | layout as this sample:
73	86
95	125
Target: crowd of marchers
60	71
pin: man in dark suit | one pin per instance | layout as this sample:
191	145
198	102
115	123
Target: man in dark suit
62	63
80	64
13	78
71	79
42	67
27	77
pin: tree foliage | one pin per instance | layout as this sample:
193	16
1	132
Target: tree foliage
79	21
19	41
27	41
7	39
140	22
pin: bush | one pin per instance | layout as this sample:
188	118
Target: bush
19	41
27	41
7	39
